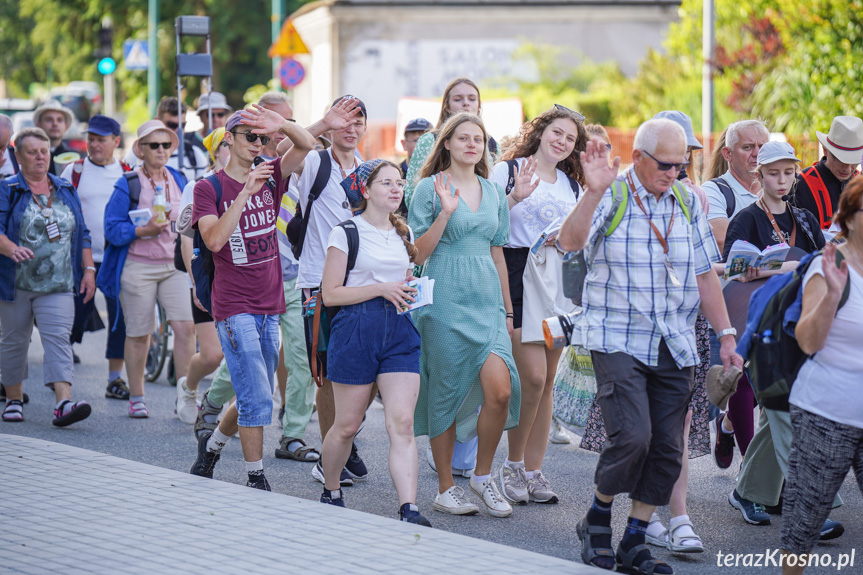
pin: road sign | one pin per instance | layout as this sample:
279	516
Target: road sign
291	73
136	55
288	43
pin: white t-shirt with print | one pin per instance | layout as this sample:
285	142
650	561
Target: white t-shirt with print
330	209
547	203
718	205
382	256
829	384
95	188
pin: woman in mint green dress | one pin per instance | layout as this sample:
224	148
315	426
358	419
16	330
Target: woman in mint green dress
461	221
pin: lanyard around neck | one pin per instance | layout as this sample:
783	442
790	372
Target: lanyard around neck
773	223
656	232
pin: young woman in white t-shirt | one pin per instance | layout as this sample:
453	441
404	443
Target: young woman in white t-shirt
370	341
546	185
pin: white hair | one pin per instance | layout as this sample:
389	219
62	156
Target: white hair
652	131
732	135
6	123
273	98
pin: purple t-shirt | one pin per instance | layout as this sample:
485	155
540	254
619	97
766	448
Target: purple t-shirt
248	275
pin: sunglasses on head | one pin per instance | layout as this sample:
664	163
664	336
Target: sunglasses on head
579	117
251	138
665	166
155	145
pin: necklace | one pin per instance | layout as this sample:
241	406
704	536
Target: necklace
165	186
384	235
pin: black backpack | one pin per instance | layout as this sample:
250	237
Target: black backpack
203	268
728	193
296	228
510	182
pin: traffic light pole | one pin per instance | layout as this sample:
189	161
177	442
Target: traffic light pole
153	66
108	99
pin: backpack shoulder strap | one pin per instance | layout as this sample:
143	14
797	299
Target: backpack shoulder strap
803	222
620	201
77	169
321	178
728	194
134	183
126	167
573	185
189	150
217	186
820	195
684	198
353	235
510	180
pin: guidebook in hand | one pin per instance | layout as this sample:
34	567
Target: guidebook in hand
424	295
744	255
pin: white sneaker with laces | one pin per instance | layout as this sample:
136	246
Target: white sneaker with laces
513	484
494	502
454	502
557	433
186	407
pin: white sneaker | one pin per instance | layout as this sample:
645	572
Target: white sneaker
186	408
454	502
513	484
494	502
557	433
540	489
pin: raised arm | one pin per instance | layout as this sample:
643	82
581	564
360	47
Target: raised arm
427	242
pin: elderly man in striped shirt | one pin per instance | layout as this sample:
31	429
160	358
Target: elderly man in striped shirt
644	286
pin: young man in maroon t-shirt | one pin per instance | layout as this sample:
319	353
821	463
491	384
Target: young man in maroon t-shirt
247	290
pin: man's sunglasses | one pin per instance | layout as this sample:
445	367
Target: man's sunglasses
173	125
665	166
155	145
251	138
579	117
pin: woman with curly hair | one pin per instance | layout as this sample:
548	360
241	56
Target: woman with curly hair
541	173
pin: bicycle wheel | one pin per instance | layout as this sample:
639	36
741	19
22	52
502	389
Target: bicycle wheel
158	347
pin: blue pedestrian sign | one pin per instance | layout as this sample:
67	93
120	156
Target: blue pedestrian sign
136	55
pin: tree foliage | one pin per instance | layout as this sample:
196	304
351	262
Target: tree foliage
42	39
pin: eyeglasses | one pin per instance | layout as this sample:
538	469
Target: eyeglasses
155	145
251	138
562	108
665	166
173	125
388	184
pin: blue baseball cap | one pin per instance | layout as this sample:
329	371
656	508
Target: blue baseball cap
103	126
418	125
684	122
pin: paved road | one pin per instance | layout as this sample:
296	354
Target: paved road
163	441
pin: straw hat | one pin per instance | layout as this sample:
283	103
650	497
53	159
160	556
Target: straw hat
148	128
54	106
845	139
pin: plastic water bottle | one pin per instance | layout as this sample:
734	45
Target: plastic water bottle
767	337
159	205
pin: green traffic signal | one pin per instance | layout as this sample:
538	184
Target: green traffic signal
107	66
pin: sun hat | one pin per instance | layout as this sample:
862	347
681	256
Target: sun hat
103	126
148	128
775	151
53	106
355	184
213	141
214	100
684	122
845	139
721	386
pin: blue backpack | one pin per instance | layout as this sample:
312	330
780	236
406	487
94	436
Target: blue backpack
769	342
203	268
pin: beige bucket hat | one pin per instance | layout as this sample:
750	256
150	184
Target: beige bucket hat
148	128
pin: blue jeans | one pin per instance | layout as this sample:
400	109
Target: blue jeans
251	347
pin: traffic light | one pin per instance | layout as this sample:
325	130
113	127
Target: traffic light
107	66
106	39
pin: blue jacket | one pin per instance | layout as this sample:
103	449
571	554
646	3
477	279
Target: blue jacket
10	226
119	234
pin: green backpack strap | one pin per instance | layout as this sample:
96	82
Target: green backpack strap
684	198
619	202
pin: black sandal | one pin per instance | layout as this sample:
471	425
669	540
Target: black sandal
117	389
301	453
14	411
588	551
625	561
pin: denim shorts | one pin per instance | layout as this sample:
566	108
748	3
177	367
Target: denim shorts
370	338
250	343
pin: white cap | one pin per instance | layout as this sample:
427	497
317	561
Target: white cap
775	151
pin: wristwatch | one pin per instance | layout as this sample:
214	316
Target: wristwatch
726	331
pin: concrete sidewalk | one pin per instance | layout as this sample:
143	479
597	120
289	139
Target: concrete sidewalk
68	510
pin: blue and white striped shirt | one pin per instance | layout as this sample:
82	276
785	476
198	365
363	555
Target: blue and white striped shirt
630	303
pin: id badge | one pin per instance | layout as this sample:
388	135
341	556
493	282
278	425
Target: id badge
672	275
53	231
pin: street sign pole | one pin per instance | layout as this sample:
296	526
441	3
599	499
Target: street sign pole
707	76
153	67
275	28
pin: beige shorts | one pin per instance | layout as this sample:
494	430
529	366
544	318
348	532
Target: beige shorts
141	285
